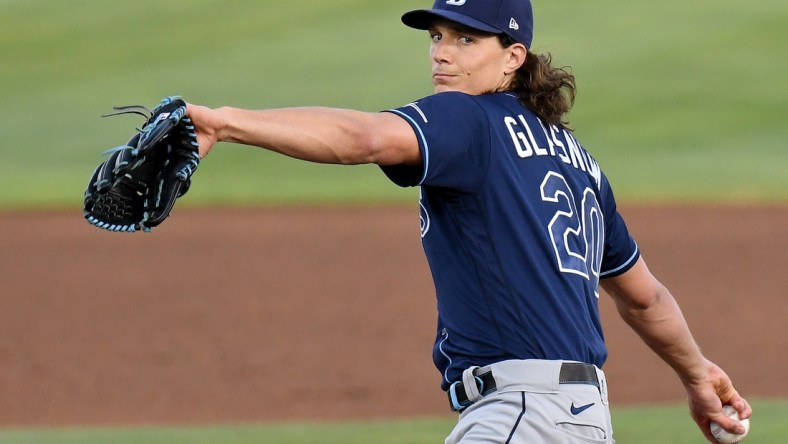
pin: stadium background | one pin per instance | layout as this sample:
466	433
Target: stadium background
285	291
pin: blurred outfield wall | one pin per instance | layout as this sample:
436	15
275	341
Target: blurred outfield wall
677	100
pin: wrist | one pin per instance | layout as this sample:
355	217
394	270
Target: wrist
222	124
696	376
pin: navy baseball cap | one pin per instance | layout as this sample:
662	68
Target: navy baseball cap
514	18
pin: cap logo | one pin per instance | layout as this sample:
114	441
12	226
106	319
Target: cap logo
455	2
513	24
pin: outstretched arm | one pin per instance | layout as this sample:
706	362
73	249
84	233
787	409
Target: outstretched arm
650	309
325	135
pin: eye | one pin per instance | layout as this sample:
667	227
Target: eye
435	36
467	40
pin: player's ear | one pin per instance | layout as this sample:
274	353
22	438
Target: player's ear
515	57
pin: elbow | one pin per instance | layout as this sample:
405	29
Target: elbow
377	139
361	146
637	296
647	299
381	151
370	148
645	304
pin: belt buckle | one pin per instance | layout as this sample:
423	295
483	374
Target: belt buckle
453	400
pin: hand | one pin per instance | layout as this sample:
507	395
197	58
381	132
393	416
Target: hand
208	122
706	398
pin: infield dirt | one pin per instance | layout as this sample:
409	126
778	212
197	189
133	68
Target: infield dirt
304	313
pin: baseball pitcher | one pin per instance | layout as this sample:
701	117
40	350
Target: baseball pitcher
519	225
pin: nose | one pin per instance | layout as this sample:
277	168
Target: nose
440	52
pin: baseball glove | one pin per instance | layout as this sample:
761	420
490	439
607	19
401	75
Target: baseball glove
136	187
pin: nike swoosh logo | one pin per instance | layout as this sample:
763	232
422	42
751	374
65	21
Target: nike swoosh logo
581	409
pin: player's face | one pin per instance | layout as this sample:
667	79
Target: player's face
468	61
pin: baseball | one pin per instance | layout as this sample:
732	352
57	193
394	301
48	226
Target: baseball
725	437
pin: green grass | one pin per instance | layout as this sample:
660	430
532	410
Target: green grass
672	424
677	100
642	425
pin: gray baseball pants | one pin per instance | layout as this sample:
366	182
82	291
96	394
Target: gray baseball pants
532	405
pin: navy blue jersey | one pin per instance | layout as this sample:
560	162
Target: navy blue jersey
518	224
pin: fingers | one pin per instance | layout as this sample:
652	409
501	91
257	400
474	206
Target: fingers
729	424
705	424
707	401
206	134
742	406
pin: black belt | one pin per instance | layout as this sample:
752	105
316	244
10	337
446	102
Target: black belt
571	373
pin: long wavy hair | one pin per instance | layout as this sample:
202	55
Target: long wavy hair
546	90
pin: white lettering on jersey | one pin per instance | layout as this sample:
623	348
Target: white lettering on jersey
550	144
537	149
523	149
574	153
588	163
558	143
529	147
568	150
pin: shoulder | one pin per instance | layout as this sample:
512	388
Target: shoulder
451	101
482	101
454	111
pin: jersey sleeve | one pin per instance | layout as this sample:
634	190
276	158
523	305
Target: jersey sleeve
454	138
621	250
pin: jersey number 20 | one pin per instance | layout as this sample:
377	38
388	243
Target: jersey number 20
577	236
